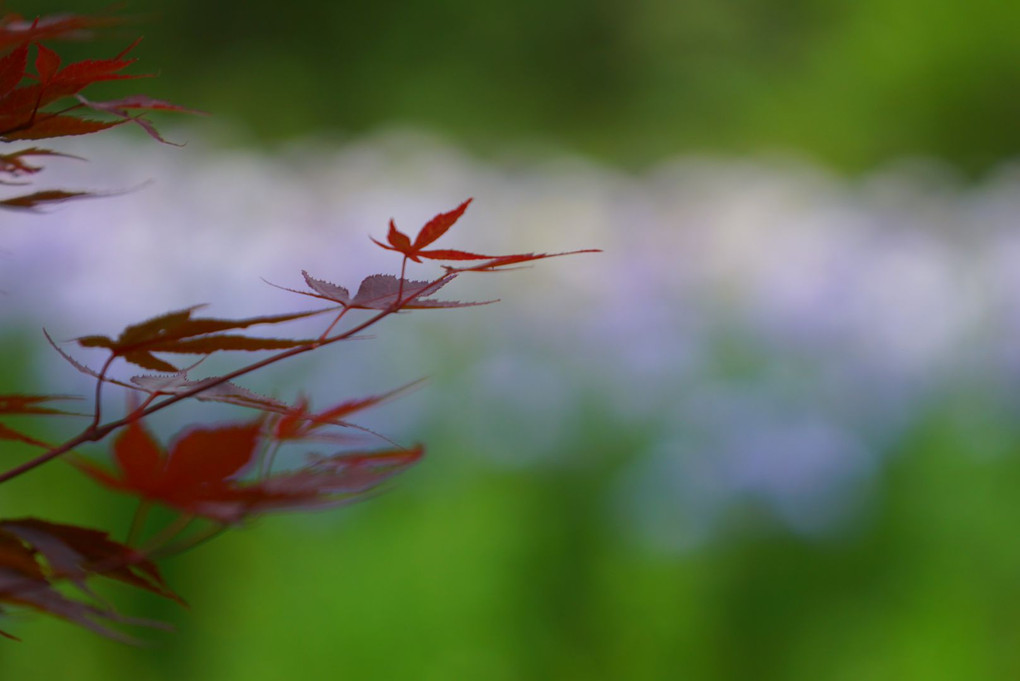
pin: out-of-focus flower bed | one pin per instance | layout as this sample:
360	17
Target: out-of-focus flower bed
774	328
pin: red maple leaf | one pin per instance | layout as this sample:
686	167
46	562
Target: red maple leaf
35	555
432	230
299	422
437	227
196	471
199	475
15	30
25	96
334	480
383	292
28	405
14	163
20	115
179	333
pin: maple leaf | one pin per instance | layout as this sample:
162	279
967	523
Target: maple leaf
8	433
23	582
75	553
56	82
192	476
199	475
333	481
432	230
177	332
35	555
19	106
122	109
28	405
382	292
212	390
328	482
32	404
300	423
14	163
16	31
20	115
22	107
12	69
34	200
504	261
56	125
439	225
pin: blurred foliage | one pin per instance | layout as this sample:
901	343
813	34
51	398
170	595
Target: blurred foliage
850	84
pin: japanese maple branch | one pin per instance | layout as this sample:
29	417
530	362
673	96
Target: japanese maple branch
95	432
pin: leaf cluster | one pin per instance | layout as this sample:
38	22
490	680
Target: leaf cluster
41	97
210	477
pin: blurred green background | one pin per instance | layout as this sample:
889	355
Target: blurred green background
850	84
473	570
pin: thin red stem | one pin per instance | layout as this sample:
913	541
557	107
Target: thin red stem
98	408
336	321
400	284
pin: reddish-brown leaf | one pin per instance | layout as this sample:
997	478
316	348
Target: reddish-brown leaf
199	474
298	422
7	433
334	480
16	31
20	115
162	325
450	254
398	240
139	457
432	230
178	332
147	360
18	558
71	360
437	226
380	291
508	260
56	125
18	107
32	404
75	553
122	108
138	102
75	77
384	291
12	69
14	163
326	483
45	197
209	456
327	290
29	405
46	63
38	594
207	345
211	389
35	555
193	477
